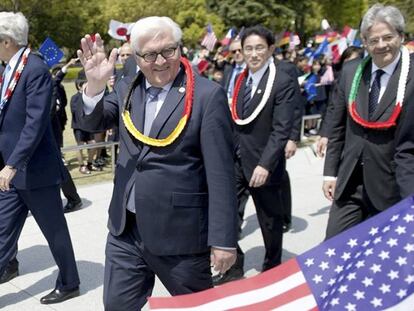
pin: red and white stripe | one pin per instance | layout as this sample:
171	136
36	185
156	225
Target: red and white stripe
209	40
281	288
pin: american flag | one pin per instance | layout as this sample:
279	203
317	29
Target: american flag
210	39
368	267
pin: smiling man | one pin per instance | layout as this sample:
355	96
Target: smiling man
262	108
173	209
370	160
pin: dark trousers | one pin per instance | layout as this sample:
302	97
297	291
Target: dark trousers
286	198
130	271
353	207
268	203
46	207
69	188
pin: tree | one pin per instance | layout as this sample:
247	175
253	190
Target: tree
241	13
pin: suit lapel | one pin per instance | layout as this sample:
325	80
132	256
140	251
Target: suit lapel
239	106
172	101
362	99
390	93
138	105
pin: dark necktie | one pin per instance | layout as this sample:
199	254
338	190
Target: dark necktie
247	96
375	92
150	107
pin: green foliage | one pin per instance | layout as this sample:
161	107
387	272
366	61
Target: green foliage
248	13
66	21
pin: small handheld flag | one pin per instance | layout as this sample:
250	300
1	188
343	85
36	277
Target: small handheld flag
50	52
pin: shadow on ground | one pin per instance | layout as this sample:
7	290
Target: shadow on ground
38	258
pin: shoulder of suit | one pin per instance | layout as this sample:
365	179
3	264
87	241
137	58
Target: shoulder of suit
206	85
36	62
351	65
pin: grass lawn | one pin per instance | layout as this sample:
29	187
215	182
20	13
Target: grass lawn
70	157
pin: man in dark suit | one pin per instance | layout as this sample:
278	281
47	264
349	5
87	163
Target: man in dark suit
173	207
30	163
370	161
231	71
263	113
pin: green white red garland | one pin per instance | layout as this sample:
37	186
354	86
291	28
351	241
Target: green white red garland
262	104
402	81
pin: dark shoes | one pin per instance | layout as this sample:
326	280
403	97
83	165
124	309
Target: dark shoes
231	275
57	296
287	227
10	273
71	206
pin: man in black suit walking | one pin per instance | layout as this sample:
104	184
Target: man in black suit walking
173	209
262	108
369	163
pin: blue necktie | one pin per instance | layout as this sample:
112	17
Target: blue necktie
247	96
151	107
375	92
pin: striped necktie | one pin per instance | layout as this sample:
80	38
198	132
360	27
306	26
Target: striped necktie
247	96
375	92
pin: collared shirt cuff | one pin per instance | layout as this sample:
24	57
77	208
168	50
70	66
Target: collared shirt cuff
225	248
90	102
329	178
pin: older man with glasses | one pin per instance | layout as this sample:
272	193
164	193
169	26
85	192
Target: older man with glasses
173	209
369	163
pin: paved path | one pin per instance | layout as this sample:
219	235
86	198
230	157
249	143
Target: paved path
88	230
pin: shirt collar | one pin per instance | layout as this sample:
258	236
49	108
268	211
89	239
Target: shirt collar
257	76
389	69
241	66
13	61
165	88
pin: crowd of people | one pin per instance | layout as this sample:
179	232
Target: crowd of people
218	129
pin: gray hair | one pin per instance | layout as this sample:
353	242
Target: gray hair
383	14
153	26
14	26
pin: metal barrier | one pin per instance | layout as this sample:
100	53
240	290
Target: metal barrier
111	144
309	117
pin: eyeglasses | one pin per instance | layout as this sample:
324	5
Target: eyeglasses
235	51
385	39
259	49
151	57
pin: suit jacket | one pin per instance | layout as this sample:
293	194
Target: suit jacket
26	139
185	194
76	104
387	154
262	142
227	72
300	100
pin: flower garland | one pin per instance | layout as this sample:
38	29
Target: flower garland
126	117
15	79
266	95
405	64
